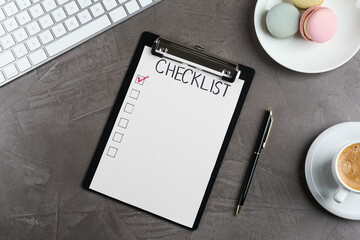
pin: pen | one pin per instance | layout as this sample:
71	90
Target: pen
264	134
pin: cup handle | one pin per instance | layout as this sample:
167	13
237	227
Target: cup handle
340	194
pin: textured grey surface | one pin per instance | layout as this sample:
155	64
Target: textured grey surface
52	118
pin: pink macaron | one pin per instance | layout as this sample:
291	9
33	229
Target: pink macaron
318	24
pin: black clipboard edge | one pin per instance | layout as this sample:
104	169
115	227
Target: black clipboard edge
147	39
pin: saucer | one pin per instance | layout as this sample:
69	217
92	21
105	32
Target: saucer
318	169
309	57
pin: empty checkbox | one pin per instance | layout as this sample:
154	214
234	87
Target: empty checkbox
112	152
129	108
134	93
123	122
118	137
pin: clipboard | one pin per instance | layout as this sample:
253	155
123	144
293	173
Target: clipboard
169	128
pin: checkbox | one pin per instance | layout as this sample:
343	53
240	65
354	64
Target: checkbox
129	108
118	137
134	93
112	152
123	122
140	79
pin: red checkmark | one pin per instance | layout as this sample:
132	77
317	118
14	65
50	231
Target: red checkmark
142	79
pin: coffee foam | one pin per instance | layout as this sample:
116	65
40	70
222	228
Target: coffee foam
348	166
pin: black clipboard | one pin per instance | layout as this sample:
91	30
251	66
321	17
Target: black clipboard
162	47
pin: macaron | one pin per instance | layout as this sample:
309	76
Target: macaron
305	4
318	24
282	20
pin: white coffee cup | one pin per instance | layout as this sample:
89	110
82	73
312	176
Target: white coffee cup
343	190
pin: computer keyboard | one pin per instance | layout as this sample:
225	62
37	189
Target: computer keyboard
33	32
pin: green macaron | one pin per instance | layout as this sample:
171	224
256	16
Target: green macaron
282	20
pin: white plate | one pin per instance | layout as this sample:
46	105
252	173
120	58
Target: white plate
309	57
318	169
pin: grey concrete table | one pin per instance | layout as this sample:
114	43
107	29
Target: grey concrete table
52	118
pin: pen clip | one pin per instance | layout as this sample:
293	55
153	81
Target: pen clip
268	132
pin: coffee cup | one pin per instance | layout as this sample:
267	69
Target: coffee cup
346	171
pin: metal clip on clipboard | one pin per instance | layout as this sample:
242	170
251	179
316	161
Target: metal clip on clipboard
196	57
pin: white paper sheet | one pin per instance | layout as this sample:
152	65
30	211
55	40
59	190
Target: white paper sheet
166	139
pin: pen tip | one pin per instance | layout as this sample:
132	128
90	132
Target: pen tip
238	209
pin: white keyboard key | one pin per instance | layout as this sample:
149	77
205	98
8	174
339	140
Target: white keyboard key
10	71
20	50
71	23
59	30
23	64
144	3
23	4
61	2
11	24
33	28
36	11
6	58
2	2
49	5
2	31
2	15
10	9
46	21
122	1
109	4
23	18
7	41
20	35
71	8
59	14
132	6
46	37
38	57
33	44
84	16
2	78
117	14
78	35
84	3
97	10
35	1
